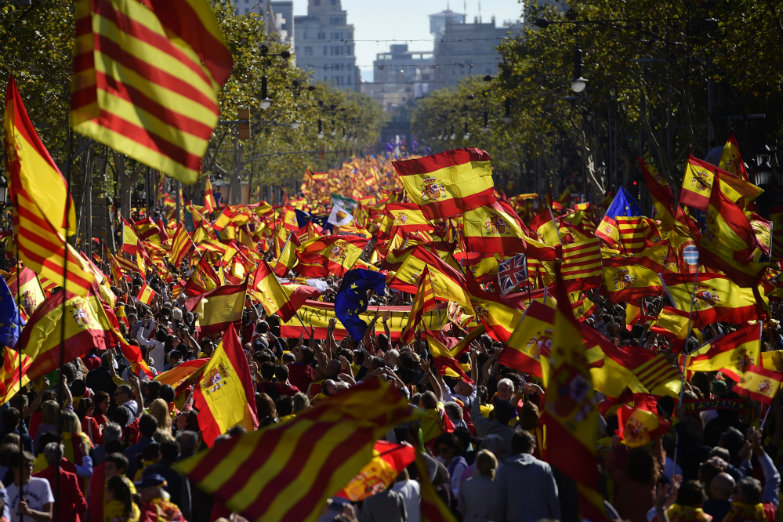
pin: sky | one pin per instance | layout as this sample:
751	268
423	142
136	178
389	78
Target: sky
379	23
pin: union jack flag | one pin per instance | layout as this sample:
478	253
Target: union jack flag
511	273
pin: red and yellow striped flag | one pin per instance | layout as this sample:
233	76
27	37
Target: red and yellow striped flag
181	245
449	183
423	302
145	79
209	197
224	396
43	208
287	472
582	268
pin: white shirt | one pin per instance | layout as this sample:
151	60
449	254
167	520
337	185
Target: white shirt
411	495
37	493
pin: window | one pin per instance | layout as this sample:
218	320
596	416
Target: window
321	36
308	50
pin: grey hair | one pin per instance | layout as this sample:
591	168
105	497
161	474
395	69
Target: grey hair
53	453
112	432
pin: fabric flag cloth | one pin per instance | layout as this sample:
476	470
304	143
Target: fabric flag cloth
638	425
286	472
181	372
699	180
269	292
351	299
10	321
623	205
44	211
449	183
729	242
660	193
433	509
490	228
731	353
571	410
342	210
389	459
444	360
528	348
218	309
146	294
86	328
181	246
582	268
731	159
225	396
408	217
209	196
145	79
25	286
423	302
759	384
512	273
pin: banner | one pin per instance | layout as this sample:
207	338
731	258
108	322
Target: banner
317	315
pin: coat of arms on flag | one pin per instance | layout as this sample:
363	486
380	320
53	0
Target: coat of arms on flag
511	273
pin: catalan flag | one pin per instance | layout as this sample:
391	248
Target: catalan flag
146	77
655	375
209	197
225	396
423	302
449	183
287	472
623	205
11	376
218	309
181	246
759	384
582	268
731	353
43	208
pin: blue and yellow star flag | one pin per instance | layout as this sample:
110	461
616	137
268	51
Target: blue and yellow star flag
10	322
622	205
351	299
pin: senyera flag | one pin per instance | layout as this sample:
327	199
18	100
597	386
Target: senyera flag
44	211
449	183
145	79
286	472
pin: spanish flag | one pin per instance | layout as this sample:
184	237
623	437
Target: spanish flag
759	384
86	327
286	472
218	309
43	209
146	294
408	217
181	372
449	183
268	291
660	193
700	176
329	255
626	280
28	291
731	159
571	411
225	396
527	350
492	229
729	243
732	353
499	316
423	302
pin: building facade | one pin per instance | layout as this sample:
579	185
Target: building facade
400	75
323	44
468	49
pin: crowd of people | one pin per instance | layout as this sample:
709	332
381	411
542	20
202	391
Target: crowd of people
98	441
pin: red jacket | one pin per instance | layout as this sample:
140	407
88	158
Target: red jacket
72	504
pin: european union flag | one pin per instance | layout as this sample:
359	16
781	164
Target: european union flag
10	322
302	218
351	299
623	205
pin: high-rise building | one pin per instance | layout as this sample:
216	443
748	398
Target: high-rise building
464	49
324	44
284	20
438	21
400	75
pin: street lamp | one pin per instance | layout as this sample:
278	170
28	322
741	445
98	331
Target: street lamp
578	83
265	101
320	129
466	134
507	114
